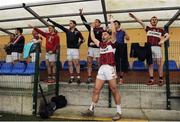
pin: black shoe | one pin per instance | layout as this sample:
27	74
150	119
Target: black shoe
78	80
89	80
70	80
88	113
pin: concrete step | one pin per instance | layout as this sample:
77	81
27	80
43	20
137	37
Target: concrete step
105	114
133	96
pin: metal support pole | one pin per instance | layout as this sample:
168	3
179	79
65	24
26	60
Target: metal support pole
173	18
106	23
57	72
34	14
93	13
36	80
166	45
104	12
79	24
5	31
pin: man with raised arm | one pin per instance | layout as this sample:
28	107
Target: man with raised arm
52	45
155	37
107	70
74	39
93	50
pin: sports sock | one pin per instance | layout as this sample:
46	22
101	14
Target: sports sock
119	108
92	106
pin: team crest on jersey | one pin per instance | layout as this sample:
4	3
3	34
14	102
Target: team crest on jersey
107	49
154	33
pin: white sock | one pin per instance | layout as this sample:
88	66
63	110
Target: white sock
92	106
119	109
78	76
72	77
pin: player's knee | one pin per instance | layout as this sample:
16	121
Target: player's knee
50	64
89	63
76	63
159	63
113	89
96	91
70	63
150	66
47	63
53	65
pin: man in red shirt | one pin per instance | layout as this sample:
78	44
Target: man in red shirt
107	70
155	37
52	44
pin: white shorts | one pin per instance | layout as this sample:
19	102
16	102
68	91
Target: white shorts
33	56
156	52
106	72
51	57
72	54
8	58
93	52
15	56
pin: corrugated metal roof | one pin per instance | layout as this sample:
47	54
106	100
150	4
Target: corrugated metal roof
62	11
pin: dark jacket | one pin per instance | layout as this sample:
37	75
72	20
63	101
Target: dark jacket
18	44
72	38
142	53
97	32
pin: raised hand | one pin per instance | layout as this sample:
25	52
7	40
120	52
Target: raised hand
131	15
111	18
81	11
48	19
92	43
93	25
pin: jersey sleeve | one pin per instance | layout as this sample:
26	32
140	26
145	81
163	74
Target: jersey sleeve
147	28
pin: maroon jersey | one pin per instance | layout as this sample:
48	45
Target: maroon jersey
52	40
107	50
154	35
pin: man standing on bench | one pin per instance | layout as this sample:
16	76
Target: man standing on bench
93	50
74	40
52	45
155	39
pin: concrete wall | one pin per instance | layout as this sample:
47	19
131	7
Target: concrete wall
15	103
19	101
133	96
